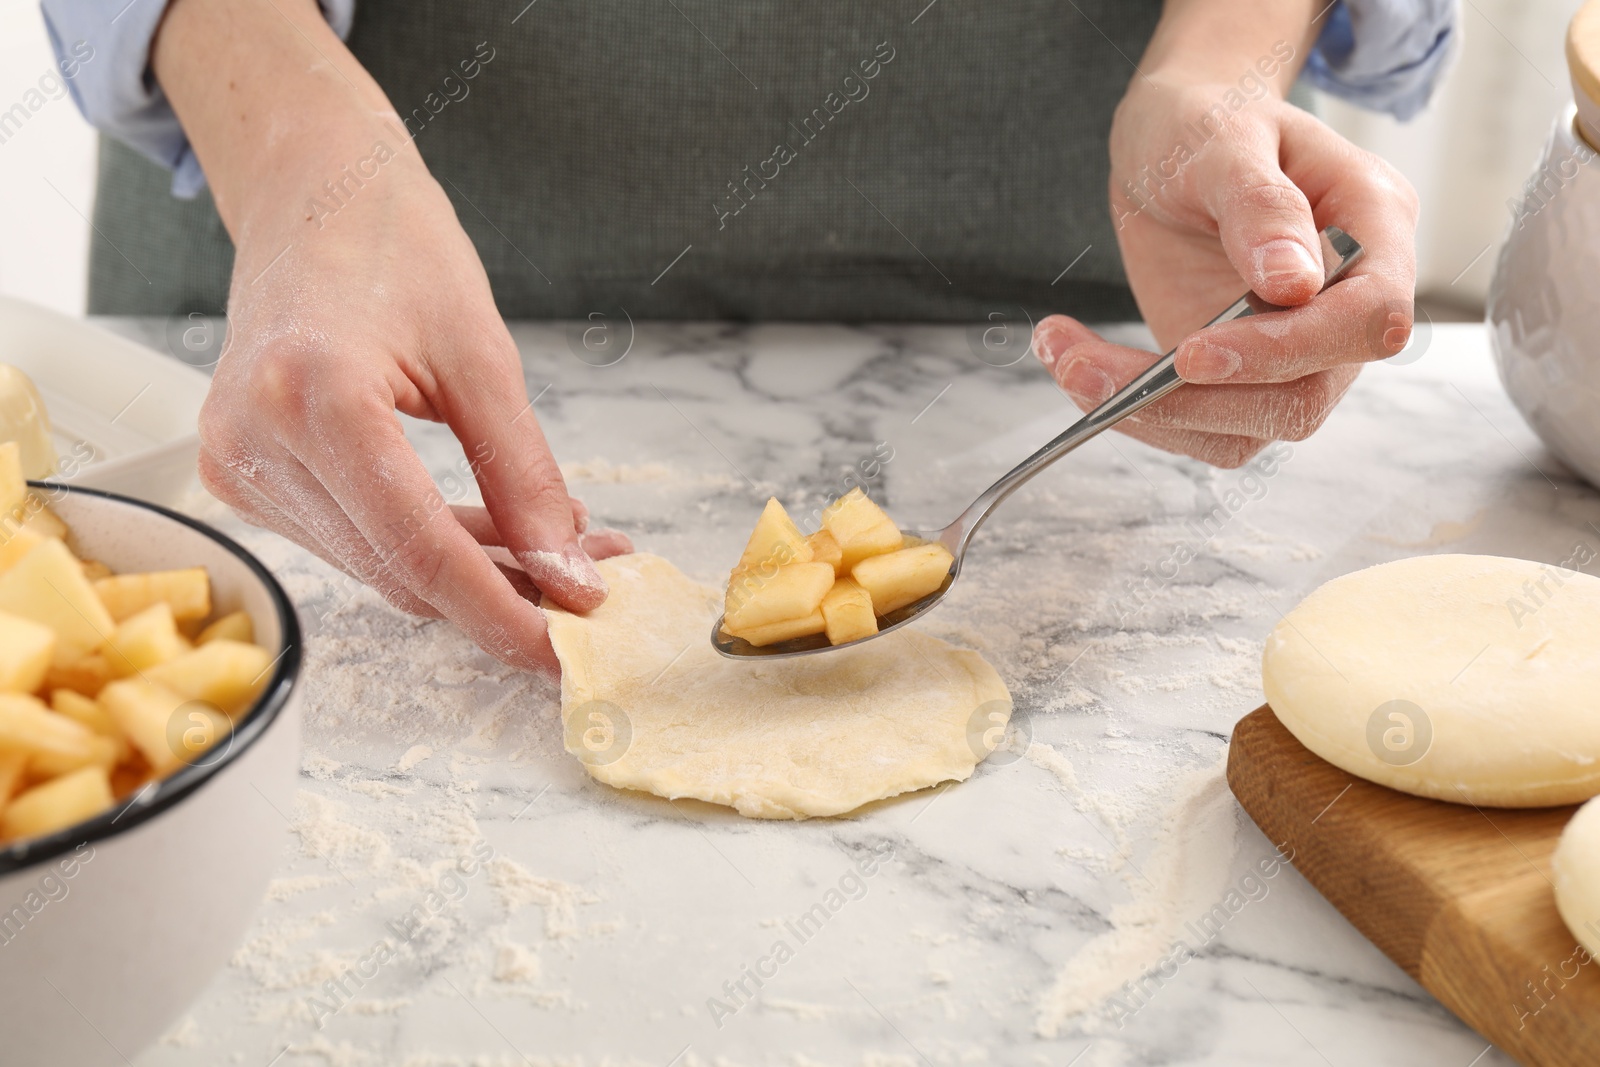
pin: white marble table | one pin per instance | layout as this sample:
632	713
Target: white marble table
607	920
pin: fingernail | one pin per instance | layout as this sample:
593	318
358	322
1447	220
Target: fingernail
1087	382
569	576
1047	344
1283	258
1209	363
582	568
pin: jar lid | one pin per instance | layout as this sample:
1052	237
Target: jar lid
1583	62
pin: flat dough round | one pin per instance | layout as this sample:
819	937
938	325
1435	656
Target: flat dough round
1577	874
649	704
1463	678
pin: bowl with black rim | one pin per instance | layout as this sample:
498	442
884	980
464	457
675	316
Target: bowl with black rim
110	928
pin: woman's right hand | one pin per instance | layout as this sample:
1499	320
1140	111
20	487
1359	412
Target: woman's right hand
345	309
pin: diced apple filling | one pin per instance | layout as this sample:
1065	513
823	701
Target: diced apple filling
824	549
860	527
47	585
792	592
26	648
856	569
787	630
57	804
775	542
896	579
143	640
129	696
234	627
187	593
848	611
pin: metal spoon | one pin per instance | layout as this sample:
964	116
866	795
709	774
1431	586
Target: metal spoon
1339	253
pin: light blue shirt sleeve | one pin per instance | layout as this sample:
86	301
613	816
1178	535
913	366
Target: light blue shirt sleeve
115	88
1385	55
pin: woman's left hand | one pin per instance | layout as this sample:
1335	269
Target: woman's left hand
1209	202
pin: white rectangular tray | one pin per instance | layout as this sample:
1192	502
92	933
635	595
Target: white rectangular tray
135	409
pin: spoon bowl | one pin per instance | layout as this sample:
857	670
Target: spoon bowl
1340	252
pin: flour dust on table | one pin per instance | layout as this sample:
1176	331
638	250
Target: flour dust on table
1125	613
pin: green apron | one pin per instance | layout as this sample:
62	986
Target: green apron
749	160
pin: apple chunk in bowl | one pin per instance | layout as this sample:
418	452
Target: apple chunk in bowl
110	927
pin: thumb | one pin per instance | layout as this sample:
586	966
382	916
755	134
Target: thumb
485	403
1265	224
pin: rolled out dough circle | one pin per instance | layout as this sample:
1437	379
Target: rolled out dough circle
648	704
1469	679
1577	874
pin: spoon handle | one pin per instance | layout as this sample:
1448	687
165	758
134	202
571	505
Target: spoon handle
1340	252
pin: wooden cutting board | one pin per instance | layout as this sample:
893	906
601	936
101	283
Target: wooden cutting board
1457	896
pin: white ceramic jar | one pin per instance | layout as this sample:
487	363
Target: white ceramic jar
1544	302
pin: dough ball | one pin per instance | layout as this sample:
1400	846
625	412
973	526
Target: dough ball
1577	876
1469	679
648	704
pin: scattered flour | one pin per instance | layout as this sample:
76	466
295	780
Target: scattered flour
186	1034
520	888
811	1013
1112	816
319	767
516	964
344	1054
601	471
444	700
375	788
1182	878
280	889
326	834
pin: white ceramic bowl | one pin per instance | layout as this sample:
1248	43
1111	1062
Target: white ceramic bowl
108	930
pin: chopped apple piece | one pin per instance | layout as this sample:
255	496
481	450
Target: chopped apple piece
26	725
13	483
131	698
188	591
229	674
57	804
13	765
148	714
849	614
16	543
41	520
90	713
26	648
824	549
25	423
131	776
793	592
86	675
48	586
102	752
787	630
775	542
896	579
144	640
234	627
860	527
